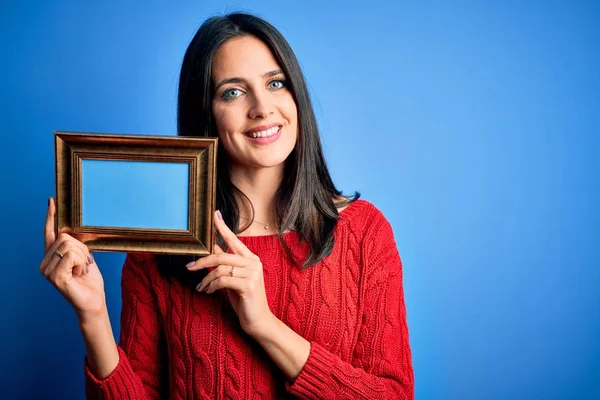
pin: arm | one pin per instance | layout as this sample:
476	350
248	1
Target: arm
288	350
102	352
138	372
381	366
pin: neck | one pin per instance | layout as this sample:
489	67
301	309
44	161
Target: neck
260	185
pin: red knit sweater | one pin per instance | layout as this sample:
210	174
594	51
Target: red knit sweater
180	344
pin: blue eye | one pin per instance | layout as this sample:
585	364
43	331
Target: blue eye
231	94
277	84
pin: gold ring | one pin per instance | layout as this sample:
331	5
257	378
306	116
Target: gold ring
231	272
58	253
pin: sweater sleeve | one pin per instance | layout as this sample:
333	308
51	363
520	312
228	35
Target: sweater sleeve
140	373
381	366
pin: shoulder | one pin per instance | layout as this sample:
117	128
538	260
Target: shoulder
379	253
139	261
140	258
140	267
366	232
366	223
363	214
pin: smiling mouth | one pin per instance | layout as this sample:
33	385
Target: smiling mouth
264	134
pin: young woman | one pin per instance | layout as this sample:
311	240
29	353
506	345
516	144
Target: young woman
303	297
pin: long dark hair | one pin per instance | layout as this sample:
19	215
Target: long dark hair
305	198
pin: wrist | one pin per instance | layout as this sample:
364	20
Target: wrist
92	318
287	349
267	330
101	348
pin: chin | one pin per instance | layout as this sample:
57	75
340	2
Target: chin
273	160
271	163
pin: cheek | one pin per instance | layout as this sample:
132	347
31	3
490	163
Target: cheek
294	121
224	124
291	111
219	117
227	119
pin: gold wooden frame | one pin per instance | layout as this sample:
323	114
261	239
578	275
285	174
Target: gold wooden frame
201	155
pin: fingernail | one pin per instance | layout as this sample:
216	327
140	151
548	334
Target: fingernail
219	215
90	259
198	286
191	264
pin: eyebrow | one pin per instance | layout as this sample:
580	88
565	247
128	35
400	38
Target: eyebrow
240	80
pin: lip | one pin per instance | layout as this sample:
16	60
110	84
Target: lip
262	128
265	140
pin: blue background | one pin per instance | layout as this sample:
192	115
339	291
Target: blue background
135	194
474	126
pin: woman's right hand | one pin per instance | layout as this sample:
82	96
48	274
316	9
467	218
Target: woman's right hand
75	273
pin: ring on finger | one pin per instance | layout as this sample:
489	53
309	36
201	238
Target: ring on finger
58	253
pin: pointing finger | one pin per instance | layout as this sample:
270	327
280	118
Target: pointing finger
235	244
49	228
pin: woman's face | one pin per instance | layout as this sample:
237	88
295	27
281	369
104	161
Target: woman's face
255	113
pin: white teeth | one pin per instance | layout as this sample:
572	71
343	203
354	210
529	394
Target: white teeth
266	133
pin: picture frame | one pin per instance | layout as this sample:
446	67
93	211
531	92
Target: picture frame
107	186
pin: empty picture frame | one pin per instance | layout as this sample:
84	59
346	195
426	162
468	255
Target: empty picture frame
131	193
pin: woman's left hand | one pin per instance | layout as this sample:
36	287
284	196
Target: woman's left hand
241	275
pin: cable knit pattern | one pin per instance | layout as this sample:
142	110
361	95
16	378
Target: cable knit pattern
179	344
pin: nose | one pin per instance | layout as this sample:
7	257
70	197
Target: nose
261	106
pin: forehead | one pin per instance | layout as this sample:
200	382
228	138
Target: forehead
243	57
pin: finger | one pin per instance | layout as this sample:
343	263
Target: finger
67	247
217	259
219	272
79	262
76	242
72	262
85	258
50	259
51	251
227	282
81	267
49	227
90	260
62	238
67	268
79	259
90	263
230	238
217	249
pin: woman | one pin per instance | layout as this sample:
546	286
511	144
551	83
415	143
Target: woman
306	301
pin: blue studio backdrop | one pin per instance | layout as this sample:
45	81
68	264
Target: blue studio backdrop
474	126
